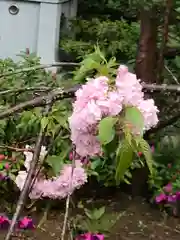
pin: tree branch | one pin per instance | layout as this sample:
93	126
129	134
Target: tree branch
58	64
146	87
68	198
161	88
54	95
172	75
28	89
16	149
59	94
162	125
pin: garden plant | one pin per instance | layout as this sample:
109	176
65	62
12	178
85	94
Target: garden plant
95	127
104	125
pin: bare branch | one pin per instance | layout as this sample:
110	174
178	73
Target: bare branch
23	70
68	198
162	125
16	149
161	88
54	95
28	89
172	75
59	94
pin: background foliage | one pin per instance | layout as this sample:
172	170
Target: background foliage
114	26
20	130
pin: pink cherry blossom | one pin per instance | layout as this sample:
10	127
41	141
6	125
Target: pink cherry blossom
7	166
61	186
97	99
168	188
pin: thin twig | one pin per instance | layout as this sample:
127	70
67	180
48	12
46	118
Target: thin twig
65	217
23	70
161	88
28	181
162	125
17	149
28	89
55	95
172	75
68	198
45	215
25	141
70	232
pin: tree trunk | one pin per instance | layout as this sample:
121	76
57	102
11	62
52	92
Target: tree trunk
146	60
146	64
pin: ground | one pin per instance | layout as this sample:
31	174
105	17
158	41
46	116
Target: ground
139	221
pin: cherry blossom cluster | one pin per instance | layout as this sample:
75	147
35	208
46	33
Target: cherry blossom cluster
57	187
102	97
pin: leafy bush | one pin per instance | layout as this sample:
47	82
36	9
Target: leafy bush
21	129
115	38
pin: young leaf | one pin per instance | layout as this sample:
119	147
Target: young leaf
124	159
146	150
44	122
56	163
1	166
106	130
98	213
89	213
134	118
95	214
96	163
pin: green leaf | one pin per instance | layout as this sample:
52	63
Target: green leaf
89	213
96	163
146	150
44	122
2	123
12	176
26	116
98	213
1	166
124	159
134	118
65	152
106	130
80	205
56	162
95	214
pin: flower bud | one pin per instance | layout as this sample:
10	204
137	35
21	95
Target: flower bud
169	165
71	156
140	154
152	148
2	157
7	166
